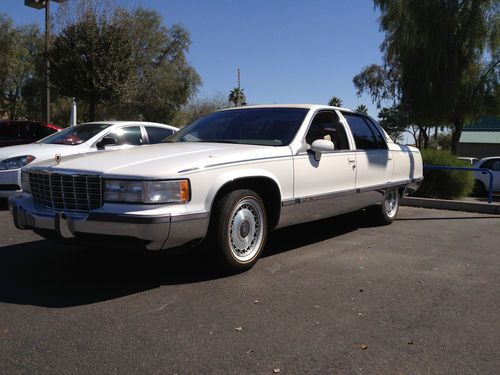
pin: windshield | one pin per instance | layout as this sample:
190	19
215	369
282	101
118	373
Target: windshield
254	126
74	135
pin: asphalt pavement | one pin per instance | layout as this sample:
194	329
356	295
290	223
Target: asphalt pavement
339	296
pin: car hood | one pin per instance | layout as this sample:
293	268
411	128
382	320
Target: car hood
164	160
40	151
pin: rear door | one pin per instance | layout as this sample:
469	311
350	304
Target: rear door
373	159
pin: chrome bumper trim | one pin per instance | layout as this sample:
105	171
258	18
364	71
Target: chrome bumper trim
132	219
161	231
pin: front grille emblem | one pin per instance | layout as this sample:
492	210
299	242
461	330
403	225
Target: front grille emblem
57	157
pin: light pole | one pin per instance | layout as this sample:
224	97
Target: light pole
39	4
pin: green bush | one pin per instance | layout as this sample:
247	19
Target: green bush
441	183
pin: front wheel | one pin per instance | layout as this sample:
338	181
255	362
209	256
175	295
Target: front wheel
479	189
386	212
240	225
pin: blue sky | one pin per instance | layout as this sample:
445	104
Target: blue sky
289	51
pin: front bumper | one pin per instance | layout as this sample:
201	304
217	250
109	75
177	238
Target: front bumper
161	231
10	182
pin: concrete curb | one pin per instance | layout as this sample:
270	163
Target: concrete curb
444	204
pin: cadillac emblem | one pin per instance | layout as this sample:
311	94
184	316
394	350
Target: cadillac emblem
57	157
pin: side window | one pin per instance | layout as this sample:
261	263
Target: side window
157	134
327	125
363	134
376	132
129	135
492	164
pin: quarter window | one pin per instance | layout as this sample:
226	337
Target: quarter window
327	125
157	134
366	138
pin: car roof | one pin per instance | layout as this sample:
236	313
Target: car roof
114	124
126	123
306	106
489	158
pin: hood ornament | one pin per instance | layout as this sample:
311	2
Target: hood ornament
57	158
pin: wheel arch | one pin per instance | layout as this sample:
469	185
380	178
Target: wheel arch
264	184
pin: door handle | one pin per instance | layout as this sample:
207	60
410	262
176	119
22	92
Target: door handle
351	160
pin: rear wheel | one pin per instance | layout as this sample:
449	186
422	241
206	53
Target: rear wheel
386	212
240	229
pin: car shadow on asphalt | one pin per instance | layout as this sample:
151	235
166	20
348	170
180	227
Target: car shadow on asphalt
4	205
491	217
44	273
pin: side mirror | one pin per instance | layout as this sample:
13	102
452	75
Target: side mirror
321	145
106	141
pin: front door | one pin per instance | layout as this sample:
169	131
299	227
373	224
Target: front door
321	186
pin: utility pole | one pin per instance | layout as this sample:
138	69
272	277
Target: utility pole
239	89
39	4
47	72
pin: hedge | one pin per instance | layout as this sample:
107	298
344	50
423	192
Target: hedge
441	183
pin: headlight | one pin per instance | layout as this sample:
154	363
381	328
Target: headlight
130	191
17	162
25	182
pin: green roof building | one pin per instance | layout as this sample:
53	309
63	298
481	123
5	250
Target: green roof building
480	139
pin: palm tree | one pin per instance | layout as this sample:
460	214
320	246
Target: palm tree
335	102
237	97
363	109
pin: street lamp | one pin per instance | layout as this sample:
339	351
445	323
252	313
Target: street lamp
39	4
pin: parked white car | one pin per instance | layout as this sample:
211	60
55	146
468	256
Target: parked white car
483	178
468	159
78	139
229	178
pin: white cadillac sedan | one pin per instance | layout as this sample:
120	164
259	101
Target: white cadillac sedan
228	178
79	139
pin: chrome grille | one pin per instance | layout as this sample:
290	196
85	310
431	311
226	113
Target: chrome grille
66	191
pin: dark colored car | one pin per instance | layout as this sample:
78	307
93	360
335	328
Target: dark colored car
23	132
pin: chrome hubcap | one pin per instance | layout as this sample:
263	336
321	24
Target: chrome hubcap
245	231
391	202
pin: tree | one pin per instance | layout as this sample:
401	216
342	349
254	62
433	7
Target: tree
198	108
163	79
20	47
379	83
394	121
335	102
237	97
136	55
91	60
363	109
440	60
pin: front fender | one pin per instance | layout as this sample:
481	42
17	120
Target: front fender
234	175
